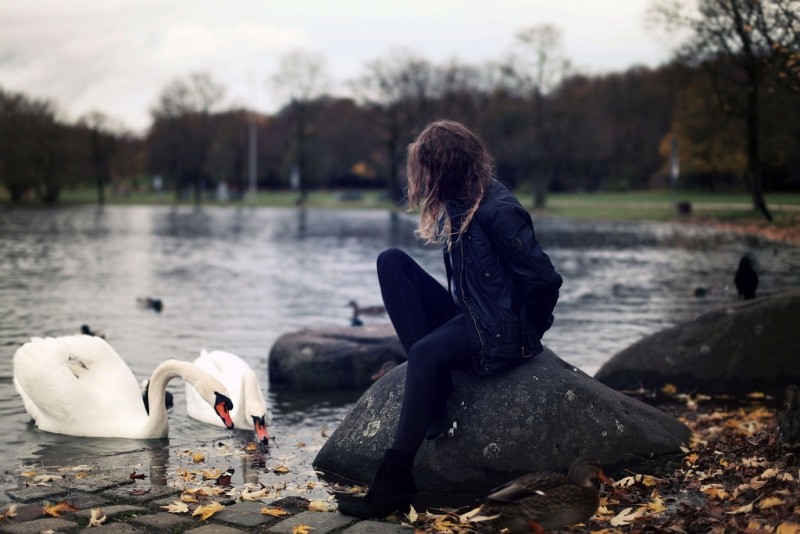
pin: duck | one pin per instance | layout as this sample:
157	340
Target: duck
86	330
366	310
544	501
788	429
249	406
746	279
78	385
150	303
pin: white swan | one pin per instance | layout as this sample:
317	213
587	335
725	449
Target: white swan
249	407
79	385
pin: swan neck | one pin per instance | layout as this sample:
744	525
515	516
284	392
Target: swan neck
166	371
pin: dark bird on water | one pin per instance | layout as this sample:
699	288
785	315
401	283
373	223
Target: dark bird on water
87	331
358	311
545	501
746	279
150	303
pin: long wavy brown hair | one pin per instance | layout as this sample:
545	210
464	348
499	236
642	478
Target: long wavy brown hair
446	162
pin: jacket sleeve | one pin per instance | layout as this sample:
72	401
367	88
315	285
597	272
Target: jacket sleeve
510	230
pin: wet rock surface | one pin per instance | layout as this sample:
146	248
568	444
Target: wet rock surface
334	357
742	347
538	417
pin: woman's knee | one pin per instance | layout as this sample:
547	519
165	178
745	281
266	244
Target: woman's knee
390	257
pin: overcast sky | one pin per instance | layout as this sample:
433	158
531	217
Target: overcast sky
117	55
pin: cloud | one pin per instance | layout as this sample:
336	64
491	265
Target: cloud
117	56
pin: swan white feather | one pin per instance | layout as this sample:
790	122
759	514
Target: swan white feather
249	406
79	385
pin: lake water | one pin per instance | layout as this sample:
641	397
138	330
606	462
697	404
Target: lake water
236	279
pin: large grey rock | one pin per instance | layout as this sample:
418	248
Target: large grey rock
334	357
746	346
539	417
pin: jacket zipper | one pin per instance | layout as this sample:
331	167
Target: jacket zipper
469	308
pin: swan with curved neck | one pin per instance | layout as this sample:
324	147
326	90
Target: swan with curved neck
79	385
249	407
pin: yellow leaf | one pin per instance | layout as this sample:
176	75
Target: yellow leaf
788	528
251	447
97	518
318	506
10	512
206	491
691	459
274	512
444	523
254	495
715	490
412	515
281	469
56	510
769	502
188	497
648	480
746	509
185	474
769	473
301	529
177	507
198	457
656	505
208	510
669	389
624	482
28	474
211	474
626	516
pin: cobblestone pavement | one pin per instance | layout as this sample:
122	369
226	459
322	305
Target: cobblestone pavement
131	505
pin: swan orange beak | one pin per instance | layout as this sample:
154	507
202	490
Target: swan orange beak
260	426
223	407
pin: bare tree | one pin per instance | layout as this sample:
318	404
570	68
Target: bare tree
182	130
102	144
301	78
400	87
745	45
539	64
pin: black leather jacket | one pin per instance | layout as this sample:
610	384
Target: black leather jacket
504	283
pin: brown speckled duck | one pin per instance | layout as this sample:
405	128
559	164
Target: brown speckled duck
544	501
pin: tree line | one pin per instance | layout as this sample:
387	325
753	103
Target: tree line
727	106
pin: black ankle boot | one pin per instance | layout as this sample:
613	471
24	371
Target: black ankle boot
392	489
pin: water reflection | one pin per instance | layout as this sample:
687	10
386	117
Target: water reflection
236	279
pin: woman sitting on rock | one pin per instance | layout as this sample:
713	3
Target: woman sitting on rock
501	292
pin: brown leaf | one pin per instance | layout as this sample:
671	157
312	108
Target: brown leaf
274	512
10	512
56	510
208	510
135	476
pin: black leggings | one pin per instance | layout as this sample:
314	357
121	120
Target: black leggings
433	333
